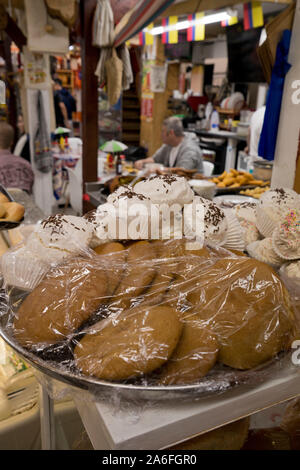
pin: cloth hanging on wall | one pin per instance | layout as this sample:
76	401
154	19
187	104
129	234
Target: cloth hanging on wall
42	147
267	143
114	73
103	25
114	67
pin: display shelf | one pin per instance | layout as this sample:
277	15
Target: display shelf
119	425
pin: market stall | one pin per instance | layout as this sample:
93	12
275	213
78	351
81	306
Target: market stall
172	305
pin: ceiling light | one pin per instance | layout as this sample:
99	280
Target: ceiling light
209	19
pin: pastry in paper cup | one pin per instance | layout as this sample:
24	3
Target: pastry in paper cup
286	237
204	220
290	274
234	237
246	211
272	207
250	232
262	250
23	269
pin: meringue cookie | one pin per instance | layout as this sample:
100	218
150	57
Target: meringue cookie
166	189
246	211
126	217
286	237
60	236
292	270
272	207
262	250
214	224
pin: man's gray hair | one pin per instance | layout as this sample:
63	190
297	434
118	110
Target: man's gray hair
174	124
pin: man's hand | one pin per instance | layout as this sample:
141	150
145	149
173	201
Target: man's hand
139	164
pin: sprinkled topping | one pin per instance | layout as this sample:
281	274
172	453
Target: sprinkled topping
90	216
169	179
214	216
56	224
131	194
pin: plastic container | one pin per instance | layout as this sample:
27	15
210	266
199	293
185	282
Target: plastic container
214	121
262	170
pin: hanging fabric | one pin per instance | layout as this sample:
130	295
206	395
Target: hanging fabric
127	76
103	24
196	32
170	36
253	15
146	38
42	152
114	73
267	143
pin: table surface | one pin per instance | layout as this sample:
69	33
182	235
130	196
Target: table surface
121	425
220	134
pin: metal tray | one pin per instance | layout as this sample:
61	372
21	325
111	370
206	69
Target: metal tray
6	225
219	380
225	191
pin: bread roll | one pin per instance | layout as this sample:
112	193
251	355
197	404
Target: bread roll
14	212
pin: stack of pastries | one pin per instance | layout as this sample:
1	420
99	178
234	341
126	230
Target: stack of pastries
163	312
157	311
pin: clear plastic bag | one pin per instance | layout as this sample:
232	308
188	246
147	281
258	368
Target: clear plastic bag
154	314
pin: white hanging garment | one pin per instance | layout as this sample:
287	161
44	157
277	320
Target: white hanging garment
103	25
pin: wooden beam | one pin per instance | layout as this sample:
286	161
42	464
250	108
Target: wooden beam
15	34
90	57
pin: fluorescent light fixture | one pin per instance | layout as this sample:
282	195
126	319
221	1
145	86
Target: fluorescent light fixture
215	18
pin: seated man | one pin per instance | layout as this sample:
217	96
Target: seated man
177	150
15	171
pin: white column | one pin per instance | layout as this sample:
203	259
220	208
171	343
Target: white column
289	124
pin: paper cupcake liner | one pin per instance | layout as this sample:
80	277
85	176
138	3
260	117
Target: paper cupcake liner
292	283
265	225
252	250
287	256
234	236
22	269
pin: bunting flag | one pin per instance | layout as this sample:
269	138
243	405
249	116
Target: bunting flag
232	20
170	37
146	38
253	15
196	32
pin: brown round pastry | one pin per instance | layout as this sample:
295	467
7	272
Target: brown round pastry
195	354
229	437
138	276
130	344
109	248
244	302
14	212
114	263
169	248
65	298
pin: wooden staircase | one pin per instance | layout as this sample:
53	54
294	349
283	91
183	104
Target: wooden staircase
131	117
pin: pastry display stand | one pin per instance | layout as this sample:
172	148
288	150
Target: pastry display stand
124	425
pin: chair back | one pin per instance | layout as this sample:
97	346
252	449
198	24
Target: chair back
208	168
75	188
